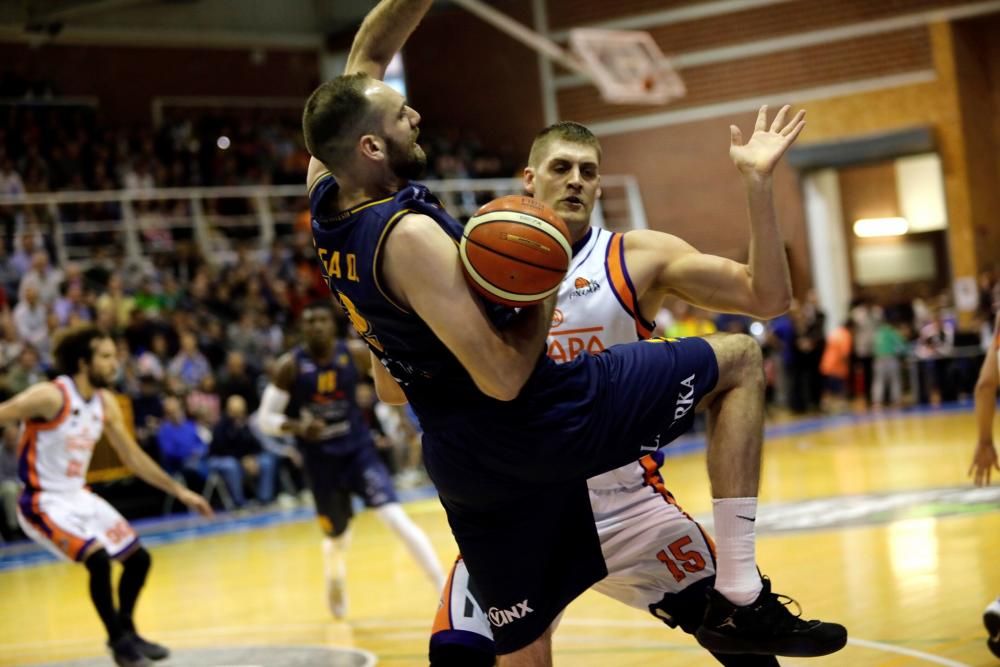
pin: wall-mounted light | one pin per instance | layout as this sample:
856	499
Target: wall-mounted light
869	227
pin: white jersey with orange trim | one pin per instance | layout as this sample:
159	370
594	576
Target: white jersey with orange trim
54	455
597	305
597	308
653	550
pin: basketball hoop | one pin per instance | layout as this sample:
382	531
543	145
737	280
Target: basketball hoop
627	66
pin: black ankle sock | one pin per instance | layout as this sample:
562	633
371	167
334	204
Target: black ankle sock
134	571
99	566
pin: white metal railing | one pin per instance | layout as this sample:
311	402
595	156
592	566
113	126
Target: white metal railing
192	211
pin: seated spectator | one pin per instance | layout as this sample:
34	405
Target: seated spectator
9	274
70	307
23	373
236	381
46	278
245	336
233	438
153	361
190	365
10	485
689	321
117	301
30	241
182	450
10	344
31	318
203	403
147	410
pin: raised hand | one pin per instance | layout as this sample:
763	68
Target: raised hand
758	156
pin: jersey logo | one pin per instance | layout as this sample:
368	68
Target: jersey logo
501	617
583	287
557	318
685	401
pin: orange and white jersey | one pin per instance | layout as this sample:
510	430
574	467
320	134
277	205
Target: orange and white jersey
597	308
54	455
597	305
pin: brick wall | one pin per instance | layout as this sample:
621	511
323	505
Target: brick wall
125	79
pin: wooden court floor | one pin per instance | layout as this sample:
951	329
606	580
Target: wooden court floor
870	523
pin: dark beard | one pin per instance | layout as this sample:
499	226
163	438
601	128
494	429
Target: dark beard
96	381
406	164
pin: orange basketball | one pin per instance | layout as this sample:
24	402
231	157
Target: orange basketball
515	250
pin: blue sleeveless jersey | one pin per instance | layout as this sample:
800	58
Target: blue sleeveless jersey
349	246
328	392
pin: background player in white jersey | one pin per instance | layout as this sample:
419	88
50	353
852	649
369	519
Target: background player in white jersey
984	460
659	559
62	421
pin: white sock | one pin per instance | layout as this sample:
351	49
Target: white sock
335	556
736	574
415	540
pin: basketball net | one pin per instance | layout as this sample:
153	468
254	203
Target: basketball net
627	66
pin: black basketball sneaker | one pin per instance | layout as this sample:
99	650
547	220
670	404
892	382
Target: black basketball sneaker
991	619
766	627
126	654
151	650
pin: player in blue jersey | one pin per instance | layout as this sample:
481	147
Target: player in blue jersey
510	437
313	397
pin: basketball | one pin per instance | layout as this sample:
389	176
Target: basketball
515	251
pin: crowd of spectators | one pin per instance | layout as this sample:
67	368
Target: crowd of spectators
882	355
197	338
196	342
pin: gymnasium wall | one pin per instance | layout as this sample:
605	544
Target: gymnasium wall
465	76
910	69
125	79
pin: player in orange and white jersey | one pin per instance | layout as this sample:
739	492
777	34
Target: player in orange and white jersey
659	560
984	459
62	421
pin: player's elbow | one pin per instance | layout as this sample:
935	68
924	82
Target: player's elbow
501	391
390	395
774	308
503	384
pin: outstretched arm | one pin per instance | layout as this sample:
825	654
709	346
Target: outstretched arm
984	458
43	400
762	287
382	35
500	362
139	462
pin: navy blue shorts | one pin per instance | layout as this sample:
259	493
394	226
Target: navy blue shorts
334	478
513	482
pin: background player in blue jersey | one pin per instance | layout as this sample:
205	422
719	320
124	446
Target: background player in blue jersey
313	396
510	437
